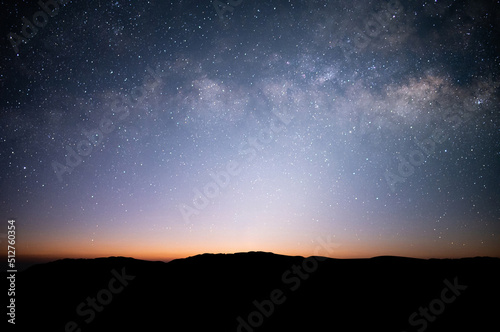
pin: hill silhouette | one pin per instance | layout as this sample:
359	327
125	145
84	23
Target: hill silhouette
258	291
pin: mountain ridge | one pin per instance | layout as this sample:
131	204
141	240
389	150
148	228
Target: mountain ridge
209	254
236	292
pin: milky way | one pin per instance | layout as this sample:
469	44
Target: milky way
158	130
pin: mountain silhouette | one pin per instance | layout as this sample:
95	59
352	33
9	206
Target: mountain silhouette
259	291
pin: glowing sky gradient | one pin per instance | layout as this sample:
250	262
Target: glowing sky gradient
312	109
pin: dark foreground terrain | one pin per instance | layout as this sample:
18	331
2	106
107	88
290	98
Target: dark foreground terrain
260	292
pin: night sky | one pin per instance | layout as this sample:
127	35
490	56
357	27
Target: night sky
159	130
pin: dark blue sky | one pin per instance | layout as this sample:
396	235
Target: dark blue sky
158	130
